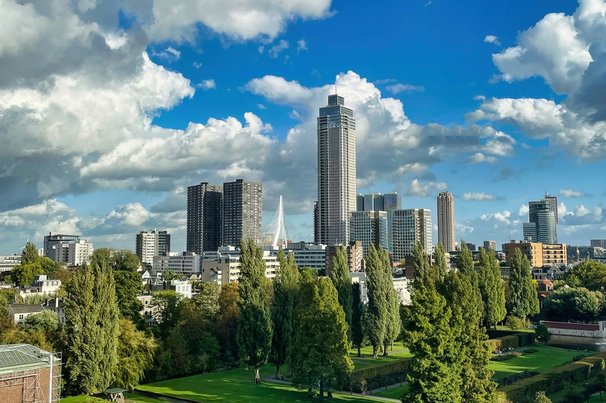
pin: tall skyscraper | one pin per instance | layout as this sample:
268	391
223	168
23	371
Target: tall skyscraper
242	211
392	201
446	221
316	219
369	227
406	228
152	243
336	171
542	221
204	217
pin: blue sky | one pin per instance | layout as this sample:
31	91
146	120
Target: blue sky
108	113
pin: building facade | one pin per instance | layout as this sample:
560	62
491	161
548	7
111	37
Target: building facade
539	254
223	266
542	221
490	245
152	243
378	202
186	263
67	249
446	221
242	211
204	217
369	227
408	227
336	171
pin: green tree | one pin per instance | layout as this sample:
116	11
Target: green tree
255	327
492	289
91	328
339	274
393	323
320	318
24	274
377	310
168	311
357	332
465	264
577	304
136	352
227	323
285	287
523	297
29	254
589	274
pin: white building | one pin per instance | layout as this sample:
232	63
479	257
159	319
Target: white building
186	263
223	266
8	262
307	255
41	286
400	284
21	311
406	228
151	243
67	249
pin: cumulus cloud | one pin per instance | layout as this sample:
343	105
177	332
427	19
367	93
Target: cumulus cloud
206	85
169	54
479	196
301	45
492	39
399	87
524	209
571	193
278	48
419	188
480	157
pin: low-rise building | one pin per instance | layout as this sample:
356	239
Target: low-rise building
223	266
400	284
186	263
21	311
8	262
56	306
42	286
539	254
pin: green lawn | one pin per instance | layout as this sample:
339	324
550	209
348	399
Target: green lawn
236	385
133	397
367	361
81	399
394	393
544	359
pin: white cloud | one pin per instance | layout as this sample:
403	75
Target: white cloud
207	85
480	157
524	209
169	54
571	193
301	45
399	87
418	188
479	196
480	98
276	49
492	39
503	217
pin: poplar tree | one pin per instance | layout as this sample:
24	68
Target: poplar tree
91	328
376	313
357	332
339	274
523	298
285	286
393	322
254	327
492	289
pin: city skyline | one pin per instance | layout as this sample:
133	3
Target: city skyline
470	102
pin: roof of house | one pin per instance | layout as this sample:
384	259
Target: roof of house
573	326
22	357
25	308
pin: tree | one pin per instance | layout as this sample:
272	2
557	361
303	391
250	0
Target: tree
320	346
492	289
227	323
465	264
377	311
523	298
589	274
285	287
24	274
339	274
255	327
91	328
168	310
393	323
357	333
135	355
29	254
573	304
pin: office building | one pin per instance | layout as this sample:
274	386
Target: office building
408	227
446	221
67	249
336	171
151	243
369	227
490	245
542	221
204	212
598	243
378	202
242	211
186	263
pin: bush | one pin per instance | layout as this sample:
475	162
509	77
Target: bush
505	357
516	323
508	380
542	333
379	376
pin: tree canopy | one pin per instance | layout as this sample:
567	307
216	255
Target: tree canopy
523	298
578	304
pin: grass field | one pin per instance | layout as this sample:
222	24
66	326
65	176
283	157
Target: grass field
394	393
544	359
236	385
367	361
133	397
81	399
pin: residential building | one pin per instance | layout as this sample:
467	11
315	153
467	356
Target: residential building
336	171
400	284
316	222
67	249
598	243
29	374
242	212
223	266
21	311
56	306
539	254
186	263
490	245
555	254
542	221
446	221
408	227
355	256
8	262
42	286
307	255
204	217
369	227
152	243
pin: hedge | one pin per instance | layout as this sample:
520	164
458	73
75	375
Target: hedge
381	375
511	341
557	378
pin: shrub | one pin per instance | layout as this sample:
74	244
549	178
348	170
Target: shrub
505	357
542	333
530	350
516	323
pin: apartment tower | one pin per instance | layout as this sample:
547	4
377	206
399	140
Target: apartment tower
204	212
336	171
446	221
242	211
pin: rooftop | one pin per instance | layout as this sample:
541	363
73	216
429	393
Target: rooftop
22	357
25	308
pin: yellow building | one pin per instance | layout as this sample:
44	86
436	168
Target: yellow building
538	254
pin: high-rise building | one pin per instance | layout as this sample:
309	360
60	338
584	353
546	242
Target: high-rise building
598	243
67	249
242	211
446	221
316	219
204	212
369	227
336	171
542	221
490	245
407	228
377	202
151	243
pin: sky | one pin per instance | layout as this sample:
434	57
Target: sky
110	109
